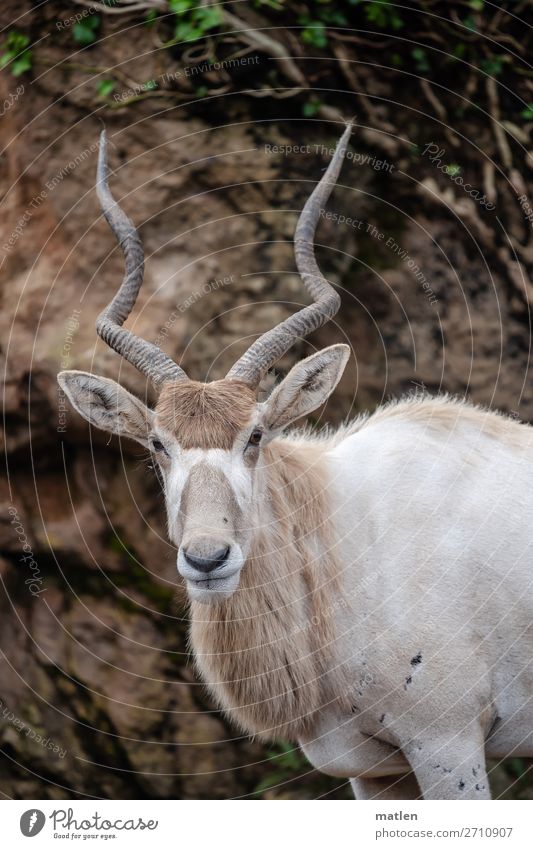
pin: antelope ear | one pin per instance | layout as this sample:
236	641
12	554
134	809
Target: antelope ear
105	404
306	387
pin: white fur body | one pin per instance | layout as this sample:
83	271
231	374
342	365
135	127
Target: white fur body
433	517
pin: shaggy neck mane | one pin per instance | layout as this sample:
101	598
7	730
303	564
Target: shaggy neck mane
264	651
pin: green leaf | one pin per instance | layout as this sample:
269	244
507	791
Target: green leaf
527	112
477	5
194	22
16	53
420	57
459	50
333	17
84	32
311	108
314	34
180	6
22	64
16	42
277	5
470	23
105	87
452	170
187	32
493	66
208	18
384	15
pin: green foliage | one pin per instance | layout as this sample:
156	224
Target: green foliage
313	33
380	15
287	762
329	14
459	50
85	31
192	20
493	66
16	53
311	107
470	23
150	17
277	5
315	22
323	13
421	60
527	113
383	15
105	87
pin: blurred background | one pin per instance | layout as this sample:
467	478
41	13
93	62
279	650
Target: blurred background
221	117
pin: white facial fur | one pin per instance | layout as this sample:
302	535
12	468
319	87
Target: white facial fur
209	493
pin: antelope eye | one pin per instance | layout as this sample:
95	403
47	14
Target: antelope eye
157	445
255	437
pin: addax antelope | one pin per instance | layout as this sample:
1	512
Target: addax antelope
365	593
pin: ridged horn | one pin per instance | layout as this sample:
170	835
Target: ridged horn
266	350
145	356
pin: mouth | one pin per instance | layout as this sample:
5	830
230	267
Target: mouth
212	589
207	583
218	585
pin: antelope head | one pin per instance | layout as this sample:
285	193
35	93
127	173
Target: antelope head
208	438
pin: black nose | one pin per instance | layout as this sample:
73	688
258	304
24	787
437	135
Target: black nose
207	562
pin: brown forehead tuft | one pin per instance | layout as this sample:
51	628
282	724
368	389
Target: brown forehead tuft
205	415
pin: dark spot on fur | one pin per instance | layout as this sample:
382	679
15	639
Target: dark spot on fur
382	718
480	786
461	785
408	681
416	659
355	709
